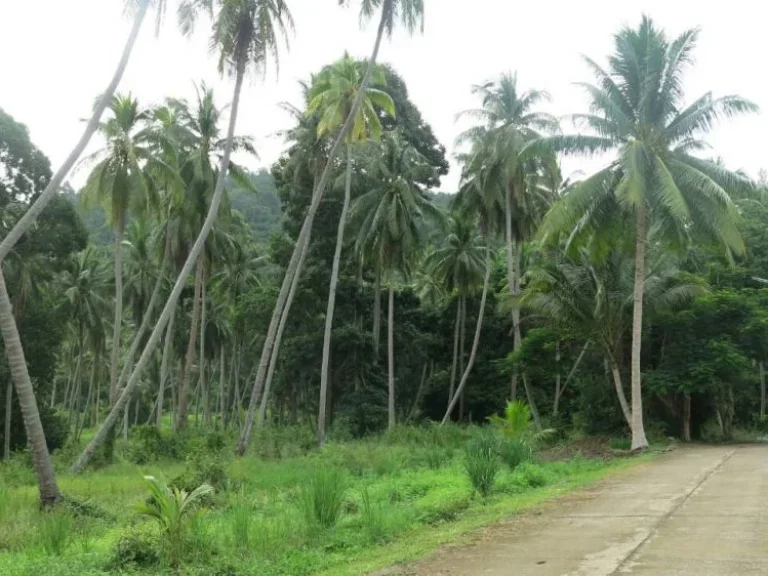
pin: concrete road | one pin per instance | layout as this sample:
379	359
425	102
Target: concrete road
699	511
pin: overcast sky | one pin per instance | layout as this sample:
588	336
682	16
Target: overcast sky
55	57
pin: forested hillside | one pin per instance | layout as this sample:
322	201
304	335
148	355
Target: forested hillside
329	356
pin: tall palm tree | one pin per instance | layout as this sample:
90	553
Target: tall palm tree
49	490
390	221
638	114
245	32
509	121
332	97
592	296
411	14
458	265
122	182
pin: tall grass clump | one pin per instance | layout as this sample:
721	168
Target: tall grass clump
323	497
241	520
482	463
515	452
54	532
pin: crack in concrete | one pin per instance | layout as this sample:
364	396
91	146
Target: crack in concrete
655	528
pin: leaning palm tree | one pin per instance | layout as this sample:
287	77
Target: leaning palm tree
122	182
638	114
332	97
49	490
509	121
390	222
411	14
245	32
458	265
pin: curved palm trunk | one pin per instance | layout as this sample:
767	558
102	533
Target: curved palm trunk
512	279
454	363
147	318
170	305
118	320
391	356
181	417
203	384
639	441
324	373
41	459
475	342
165	368
26	221
283	304
620	392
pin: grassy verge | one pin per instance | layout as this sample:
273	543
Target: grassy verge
349	509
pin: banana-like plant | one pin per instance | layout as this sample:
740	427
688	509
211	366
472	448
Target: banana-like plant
170	508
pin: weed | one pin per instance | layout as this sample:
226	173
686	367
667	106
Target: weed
323	497
135	548
54	531
241	516
482	463
514	452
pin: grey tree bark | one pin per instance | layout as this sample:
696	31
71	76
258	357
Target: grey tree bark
454	363
189	360
41	458
203	384
283	304
620	392
324	371
165	368
391	356
475	342
639	441
377	311
170	305
117	325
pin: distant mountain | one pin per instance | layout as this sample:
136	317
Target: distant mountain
261	210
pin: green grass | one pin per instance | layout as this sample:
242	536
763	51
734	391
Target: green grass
392	501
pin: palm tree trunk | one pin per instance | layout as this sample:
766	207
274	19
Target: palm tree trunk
165	368
29	218
7	428
324	371
118	320
419	394
283	304
475	342
762	388
391	355
203	384
170	305
558	382
454	363
532	403
620	392
513	263
148	313
377	311
81	422
41	458
639	441
462	333
686	417
181	418
75	382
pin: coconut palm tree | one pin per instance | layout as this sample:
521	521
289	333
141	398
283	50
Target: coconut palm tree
593	297
638	115
411	14
49	491
458	265
509	121
332	96
390	221
122	182
245	32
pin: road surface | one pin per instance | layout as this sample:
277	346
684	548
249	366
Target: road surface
700	511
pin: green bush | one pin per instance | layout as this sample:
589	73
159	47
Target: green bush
482	463
149	444
514	452
531	475
137	547
442	505
54	531
323	497
241	519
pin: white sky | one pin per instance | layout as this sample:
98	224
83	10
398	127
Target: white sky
56	56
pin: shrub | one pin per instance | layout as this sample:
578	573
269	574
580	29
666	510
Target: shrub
380	522
171	509
442	505
529	474
136	548
149	444
515	452
323	497
482	464
241	515
54	532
